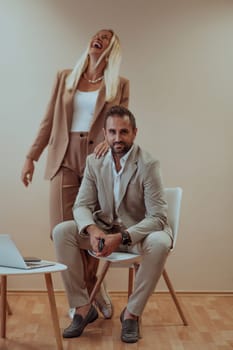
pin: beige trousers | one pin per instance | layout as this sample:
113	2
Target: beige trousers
64	187
69	245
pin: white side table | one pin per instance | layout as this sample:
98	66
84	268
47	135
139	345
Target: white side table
47	271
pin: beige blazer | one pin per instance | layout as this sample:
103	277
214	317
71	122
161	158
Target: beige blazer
55	126
141	207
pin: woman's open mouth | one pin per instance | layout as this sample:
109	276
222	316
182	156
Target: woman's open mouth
97	45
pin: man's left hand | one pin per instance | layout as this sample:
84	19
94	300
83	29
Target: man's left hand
112	241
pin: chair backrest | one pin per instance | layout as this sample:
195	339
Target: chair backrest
173	197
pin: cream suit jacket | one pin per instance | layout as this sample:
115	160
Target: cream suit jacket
54	128
141	207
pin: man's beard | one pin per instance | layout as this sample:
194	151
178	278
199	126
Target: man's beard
122	150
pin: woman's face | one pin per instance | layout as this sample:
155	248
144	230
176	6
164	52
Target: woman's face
100	42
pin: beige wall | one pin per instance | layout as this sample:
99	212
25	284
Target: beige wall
178	56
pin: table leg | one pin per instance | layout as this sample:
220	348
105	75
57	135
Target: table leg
3	305
53	309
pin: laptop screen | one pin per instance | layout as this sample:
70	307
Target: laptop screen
10	256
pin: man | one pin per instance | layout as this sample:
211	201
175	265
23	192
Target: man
121	200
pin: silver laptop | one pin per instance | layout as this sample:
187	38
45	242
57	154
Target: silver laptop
10	256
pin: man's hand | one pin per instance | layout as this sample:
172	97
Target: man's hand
95	235
111	243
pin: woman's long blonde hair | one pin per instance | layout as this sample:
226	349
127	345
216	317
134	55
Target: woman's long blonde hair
111	72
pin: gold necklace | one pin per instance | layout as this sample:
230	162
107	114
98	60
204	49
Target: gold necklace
93	81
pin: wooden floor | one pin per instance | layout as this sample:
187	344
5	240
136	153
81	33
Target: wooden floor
210	327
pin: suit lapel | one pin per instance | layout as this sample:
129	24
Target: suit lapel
107	182
128	172
69	98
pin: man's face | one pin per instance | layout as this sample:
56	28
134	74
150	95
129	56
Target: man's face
119	134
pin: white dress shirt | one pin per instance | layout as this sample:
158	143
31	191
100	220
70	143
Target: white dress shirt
117	177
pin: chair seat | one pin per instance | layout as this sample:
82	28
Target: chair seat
120	259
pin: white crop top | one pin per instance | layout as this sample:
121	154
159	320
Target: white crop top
84	106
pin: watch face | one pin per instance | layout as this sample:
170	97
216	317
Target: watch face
125	238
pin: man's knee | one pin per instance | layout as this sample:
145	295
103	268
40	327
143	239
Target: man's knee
63	230
159	242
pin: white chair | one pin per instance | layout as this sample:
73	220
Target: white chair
118	259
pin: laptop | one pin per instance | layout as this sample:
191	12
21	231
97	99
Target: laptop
10	256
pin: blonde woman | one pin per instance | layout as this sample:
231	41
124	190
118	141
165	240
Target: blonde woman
72	129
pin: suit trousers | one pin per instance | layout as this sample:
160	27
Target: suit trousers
64	186
154	249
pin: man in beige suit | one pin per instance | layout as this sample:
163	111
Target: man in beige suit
121	200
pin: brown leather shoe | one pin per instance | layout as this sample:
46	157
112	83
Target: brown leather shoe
78	324
130	329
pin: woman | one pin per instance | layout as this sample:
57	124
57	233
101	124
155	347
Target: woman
72	129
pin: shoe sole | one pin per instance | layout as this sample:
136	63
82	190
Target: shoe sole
129	341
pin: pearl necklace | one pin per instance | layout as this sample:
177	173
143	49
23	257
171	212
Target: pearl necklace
93	81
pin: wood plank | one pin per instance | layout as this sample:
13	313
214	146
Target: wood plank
210	319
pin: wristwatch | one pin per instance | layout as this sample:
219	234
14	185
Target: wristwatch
125	238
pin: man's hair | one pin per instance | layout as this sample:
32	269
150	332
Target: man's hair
120	111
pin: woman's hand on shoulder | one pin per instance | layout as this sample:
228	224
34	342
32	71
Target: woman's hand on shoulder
101	149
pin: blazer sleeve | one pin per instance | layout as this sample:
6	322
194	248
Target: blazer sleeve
86	200
43	135
155	218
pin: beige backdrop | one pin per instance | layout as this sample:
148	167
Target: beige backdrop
178	56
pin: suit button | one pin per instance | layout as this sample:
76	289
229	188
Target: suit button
91	142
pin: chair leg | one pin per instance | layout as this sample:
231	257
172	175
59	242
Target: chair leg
99	280
174	297
130	281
